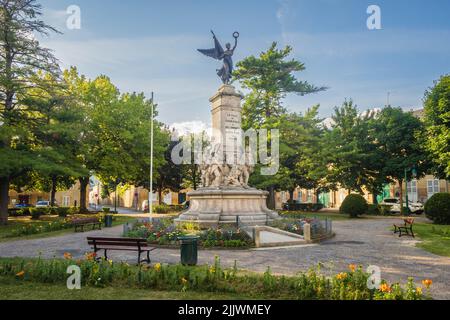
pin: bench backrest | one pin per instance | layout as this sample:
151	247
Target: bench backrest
117	242
85	220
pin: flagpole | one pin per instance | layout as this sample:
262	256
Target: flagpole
150	195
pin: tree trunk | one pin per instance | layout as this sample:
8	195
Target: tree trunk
159	196
4	190
53	191
374	198
271	198
84	181
291	195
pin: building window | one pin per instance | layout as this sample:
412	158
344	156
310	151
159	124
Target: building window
432	187
66	201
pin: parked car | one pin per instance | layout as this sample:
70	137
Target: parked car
22	205
43	204
414	207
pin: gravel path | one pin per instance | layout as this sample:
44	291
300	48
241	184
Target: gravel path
365	242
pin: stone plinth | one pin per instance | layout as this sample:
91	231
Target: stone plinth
210	207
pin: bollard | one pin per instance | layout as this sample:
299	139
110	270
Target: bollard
307	232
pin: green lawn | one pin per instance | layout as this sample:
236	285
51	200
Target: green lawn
435	238
320	215
19	222
13	289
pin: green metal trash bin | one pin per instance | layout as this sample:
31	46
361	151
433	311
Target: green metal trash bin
188	250
108	220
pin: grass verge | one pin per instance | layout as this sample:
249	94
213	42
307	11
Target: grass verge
435	238
20	222
13	289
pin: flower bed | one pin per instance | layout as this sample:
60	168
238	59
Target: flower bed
50	224
312	285
164	232
319	228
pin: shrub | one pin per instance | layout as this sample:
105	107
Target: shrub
373	209
385	209
354	205
63	211
24	212
437	208
162	208
106	210
36	213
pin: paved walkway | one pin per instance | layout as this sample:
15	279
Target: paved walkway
365	242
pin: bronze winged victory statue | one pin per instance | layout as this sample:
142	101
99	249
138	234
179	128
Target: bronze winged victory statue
226	55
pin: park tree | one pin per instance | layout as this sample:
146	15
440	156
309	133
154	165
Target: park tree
351	153
397	139
190	171
114	138
437	120
57	133
169	176
21	57
269	78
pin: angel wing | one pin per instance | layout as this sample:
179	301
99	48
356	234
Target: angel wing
216	52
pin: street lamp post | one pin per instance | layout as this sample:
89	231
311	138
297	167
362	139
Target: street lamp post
150	194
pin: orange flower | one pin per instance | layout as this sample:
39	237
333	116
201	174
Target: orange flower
385	288
67	255
90	256
341	276
427	283
20	274
352	267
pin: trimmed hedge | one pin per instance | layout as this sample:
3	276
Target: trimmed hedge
437	208
354	205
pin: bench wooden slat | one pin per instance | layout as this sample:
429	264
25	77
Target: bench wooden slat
118	239
118	243
126	249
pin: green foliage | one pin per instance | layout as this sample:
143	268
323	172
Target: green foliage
437	208
63	211
353	159
311	285
36	213
398	135
162	208
21	59
373	210
354	205
31	228
437	117
269	78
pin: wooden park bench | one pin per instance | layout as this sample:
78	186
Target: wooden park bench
406	228
80	224
121	244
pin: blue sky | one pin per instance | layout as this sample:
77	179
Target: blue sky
151	46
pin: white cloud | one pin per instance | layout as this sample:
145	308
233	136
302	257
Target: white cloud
188	127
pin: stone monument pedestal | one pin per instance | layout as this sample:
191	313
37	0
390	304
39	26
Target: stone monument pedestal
225	197
210	207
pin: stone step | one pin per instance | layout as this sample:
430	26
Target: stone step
265	236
